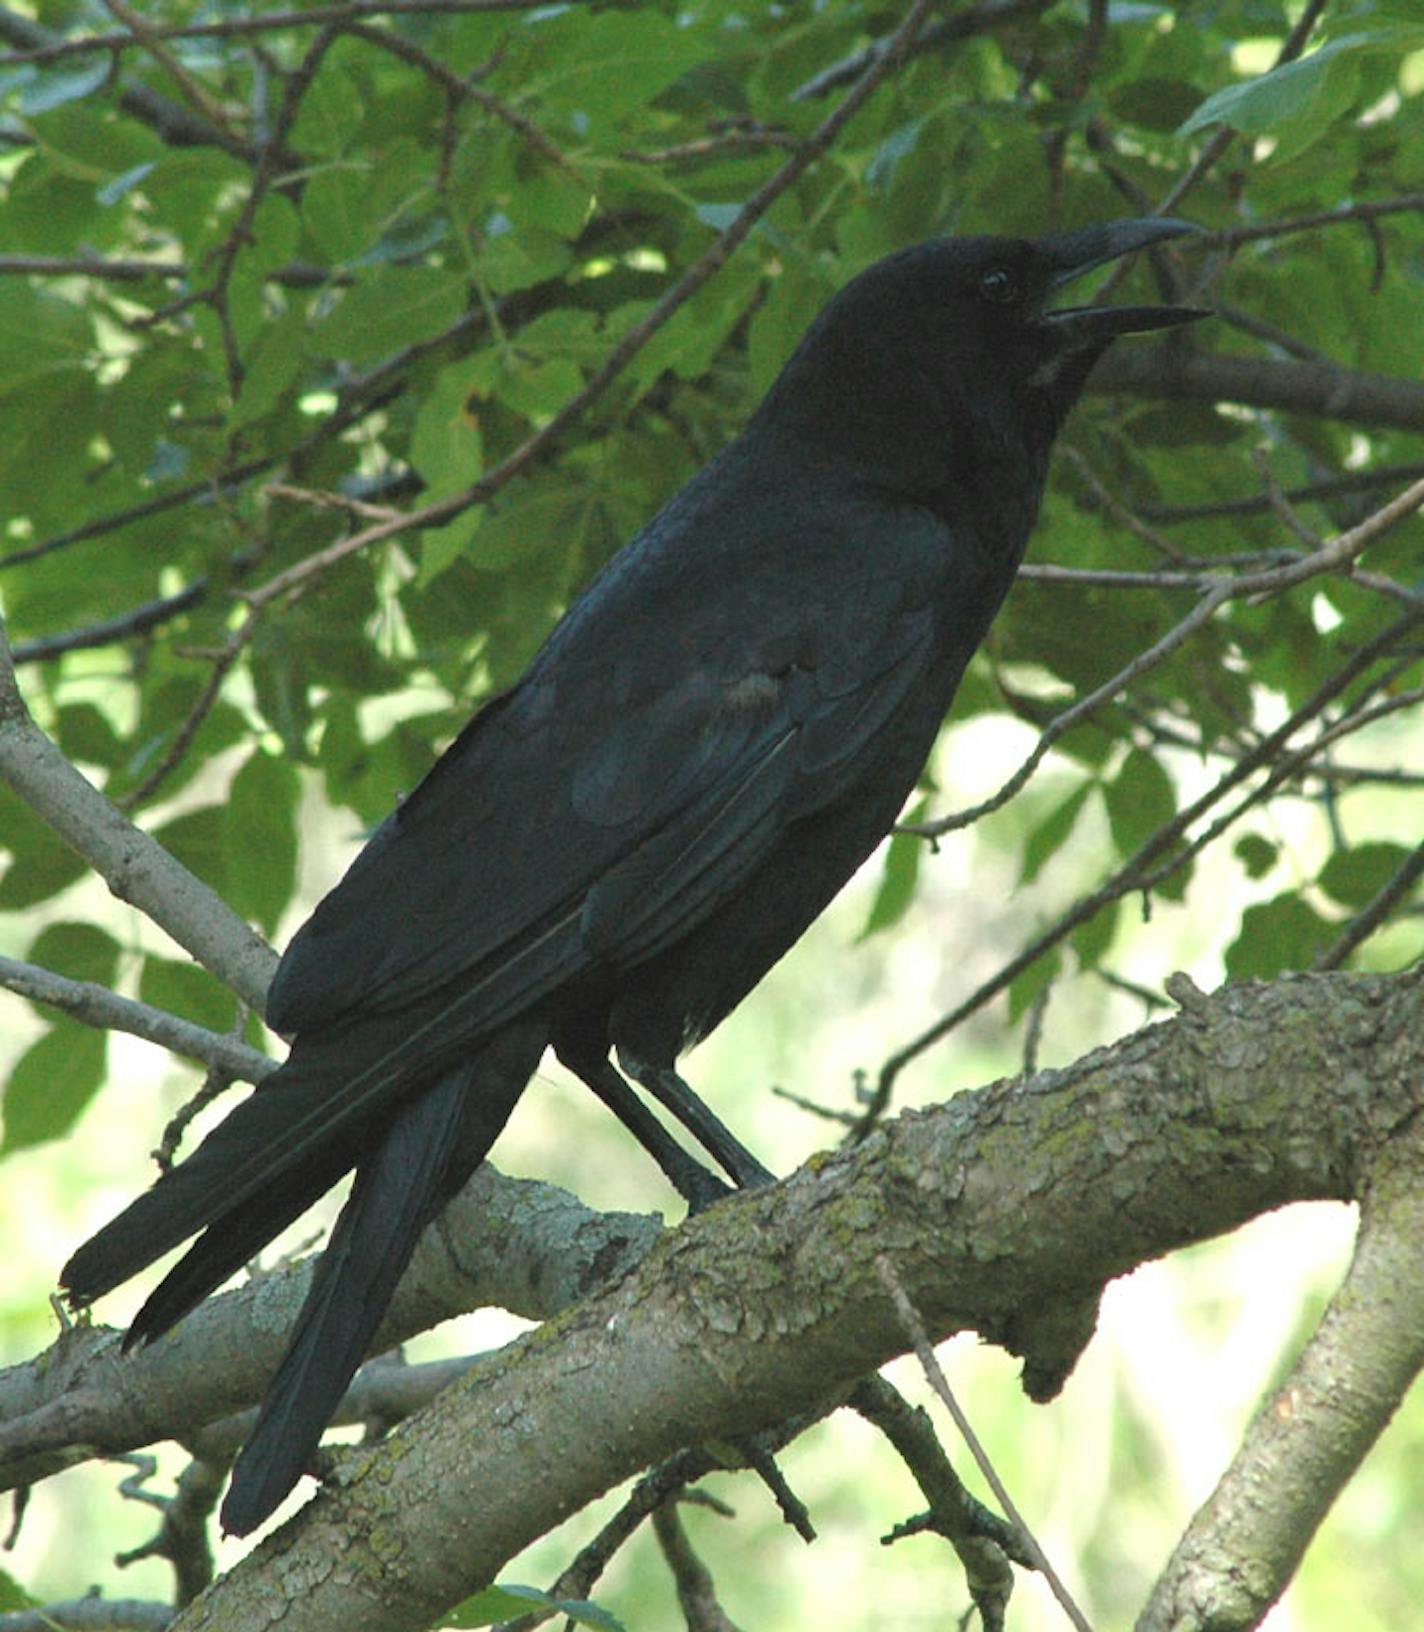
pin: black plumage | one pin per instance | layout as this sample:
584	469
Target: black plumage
616	850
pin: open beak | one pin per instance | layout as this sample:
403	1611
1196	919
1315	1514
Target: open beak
1071	254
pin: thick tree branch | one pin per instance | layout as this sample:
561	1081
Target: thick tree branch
1005	1212
1178	374
529	1248
1310	1435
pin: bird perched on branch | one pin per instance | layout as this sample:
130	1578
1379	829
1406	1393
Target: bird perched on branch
616	850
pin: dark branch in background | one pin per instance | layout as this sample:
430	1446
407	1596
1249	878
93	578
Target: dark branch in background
963	25
140	621
41	47
1345	395
458	89
171	120
271	162
1346	482
1362	210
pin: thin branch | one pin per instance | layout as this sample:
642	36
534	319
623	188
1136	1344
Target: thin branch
140	620
97	1006
963	25
696	1590
92	1614
1333	556
984	1543
295	275
192	89
1362	210
136	868
236	27
914	1326
1346	482
1141	871
1375	911
459	89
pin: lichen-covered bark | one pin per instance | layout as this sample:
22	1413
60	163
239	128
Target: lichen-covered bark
1004	1210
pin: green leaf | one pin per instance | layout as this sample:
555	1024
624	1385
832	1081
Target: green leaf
1306	97
13	1596
59	85
1140	798
389	308
604	65
1091	940
196	839
1256	855
260	838
87	735
79	951
1355	876
446	446
1049	834
1277	935
519	259
898	879
1025	989
336	212
187	990
53	1081
538	521
331	111
41	864
503	1603
271	368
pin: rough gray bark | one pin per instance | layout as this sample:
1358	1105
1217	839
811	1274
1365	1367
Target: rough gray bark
1005	1211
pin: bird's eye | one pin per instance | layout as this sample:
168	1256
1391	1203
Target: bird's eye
1000	286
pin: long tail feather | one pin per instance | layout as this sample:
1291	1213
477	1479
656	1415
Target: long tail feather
234	1240
432	1146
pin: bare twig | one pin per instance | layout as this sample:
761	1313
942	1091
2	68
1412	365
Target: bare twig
924	1352
97	1006
1145	869
1333	556
1380	905
696	1590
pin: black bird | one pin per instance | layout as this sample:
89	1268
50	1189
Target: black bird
614	852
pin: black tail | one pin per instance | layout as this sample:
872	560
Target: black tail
433	1145
279	1150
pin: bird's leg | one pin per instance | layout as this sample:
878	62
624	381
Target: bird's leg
664	1084
694	1183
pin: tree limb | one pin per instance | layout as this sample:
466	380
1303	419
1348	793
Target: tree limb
1247	1100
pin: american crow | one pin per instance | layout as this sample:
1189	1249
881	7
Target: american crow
614	852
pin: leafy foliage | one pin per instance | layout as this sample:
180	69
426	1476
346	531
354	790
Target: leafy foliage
457	216
271	287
